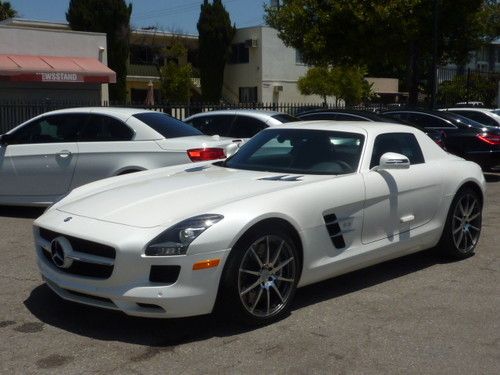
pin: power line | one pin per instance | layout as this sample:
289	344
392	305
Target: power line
173	10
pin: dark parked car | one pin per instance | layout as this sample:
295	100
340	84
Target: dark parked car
488	117
237	123
356	115
462	136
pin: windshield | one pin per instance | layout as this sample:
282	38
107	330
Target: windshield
300	151
166	125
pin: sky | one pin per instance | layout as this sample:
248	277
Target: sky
167	15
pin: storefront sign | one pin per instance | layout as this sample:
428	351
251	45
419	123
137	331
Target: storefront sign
60	77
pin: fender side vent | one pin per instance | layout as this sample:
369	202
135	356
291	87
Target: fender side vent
333	227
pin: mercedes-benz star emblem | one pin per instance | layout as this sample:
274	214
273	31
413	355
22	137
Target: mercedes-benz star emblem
60	248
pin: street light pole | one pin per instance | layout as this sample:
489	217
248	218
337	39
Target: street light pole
434	82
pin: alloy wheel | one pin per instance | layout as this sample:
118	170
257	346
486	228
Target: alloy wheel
466	223
266	276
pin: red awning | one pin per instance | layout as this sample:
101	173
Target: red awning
27	68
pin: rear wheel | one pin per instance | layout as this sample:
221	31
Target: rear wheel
463	225
261	277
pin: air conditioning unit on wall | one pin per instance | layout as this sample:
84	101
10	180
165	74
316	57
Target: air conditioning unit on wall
251	43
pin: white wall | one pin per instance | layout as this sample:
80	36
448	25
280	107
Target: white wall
244	75
31	41
272	65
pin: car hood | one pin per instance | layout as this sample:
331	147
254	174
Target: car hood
152	198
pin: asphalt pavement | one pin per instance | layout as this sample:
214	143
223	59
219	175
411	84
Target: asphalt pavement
419	314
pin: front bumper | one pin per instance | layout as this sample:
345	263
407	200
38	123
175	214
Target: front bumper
129	289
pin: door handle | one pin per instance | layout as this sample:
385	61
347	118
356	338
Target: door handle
407	218
64	154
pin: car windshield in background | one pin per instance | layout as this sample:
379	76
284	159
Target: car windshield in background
166	125
300	151
284	118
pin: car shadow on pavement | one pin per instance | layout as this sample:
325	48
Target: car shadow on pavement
492	177
21	212
104	324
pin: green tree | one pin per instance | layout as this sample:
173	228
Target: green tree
476	87
215	35
317	81
113	18
6	10
176	79
386	36
347	83
351	85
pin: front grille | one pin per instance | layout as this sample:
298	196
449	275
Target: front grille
82	267
333	227
82	246
88	296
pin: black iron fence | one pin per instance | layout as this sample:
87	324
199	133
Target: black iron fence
15	113
467	86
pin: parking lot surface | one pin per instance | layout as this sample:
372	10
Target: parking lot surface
419	314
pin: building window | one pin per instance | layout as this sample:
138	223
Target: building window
145	55
239	54
299	59
248	95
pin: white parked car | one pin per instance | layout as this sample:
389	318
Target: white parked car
47	156
295	205
485	116
237	123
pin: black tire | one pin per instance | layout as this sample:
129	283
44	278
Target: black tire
237	296
463	225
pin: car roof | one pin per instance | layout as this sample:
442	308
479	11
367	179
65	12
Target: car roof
475	109
362	127
357	112
256	113
122	112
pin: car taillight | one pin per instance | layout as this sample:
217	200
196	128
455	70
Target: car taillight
202	154
490	138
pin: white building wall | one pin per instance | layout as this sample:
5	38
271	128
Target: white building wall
272	68
281	71
31	41
245	74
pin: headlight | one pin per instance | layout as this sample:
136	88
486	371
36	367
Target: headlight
175	240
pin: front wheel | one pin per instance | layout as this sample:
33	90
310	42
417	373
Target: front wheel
261	277
463	225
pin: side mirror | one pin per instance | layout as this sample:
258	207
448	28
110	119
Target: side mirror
392	160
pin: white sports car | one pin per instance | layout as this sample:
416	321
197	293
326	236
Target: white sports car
295	205
51	154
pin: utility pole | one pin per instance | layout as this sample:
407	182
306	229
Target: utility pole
433	80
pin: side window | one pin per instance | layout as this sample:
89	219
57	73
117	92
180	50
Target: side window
246	127
50	129
428	121
101	128
211	125
401	143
